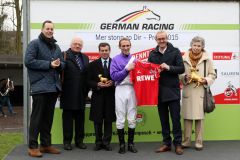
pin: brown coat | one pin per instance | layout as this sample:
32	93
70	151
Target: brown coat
192	98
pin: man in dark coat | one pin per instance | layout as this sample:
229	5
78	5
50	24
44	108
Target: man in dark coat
44	63
74	93
171	62
102	111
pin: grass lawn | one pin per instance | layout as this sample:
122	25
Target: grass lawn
8	141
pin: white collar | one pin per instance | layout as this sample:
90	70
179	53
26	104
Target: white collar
163	50
105	60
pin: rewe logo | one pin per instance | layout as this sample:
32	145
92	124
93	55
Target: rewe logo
145	13
145	78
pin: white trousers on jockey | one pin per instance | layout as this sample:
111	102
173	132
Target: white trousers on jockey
125	105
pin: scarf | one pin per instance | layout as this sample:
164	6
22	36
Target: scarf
194	58
49	41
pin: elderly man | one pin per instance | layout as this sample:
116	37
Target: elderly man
74	93
44	62
171	62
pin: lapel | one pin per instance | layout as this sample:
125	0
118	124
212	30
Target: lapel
110	60
85	60
99	62
73	59
100	65
204	57
186	59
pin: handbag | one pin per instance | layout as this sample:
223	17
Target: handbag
208	99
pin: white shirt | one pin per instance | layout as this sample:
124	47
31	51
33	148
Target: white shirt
105	60
162	51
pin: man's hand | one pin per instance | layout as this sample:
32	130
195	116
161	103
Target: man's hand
101	85
104	85
164	66
55	63
109	83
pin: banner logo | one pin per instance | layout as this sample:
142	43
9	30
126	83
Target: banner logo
141	118
230	91
149	14
138	20
222	55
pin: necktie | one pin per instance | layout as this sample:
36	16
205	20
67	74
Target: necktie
105	69
79	62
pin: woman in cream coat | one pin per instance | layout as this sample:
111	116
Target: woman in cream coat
192	97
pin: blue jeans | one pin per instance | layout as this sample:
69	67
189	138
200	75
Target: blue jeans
6	100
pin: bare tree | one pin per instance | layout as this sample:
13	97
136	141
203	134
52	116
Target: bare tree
18	10
17	22
3	17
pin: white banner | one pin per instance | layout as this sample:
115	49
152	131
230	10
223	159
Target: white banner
109	21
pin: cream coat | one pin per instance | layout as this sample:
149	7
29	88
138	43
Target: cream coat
192	98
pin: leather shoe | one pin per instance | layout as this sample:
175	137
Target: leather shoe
67	146
183	146
131	148
97	147
163	148
178	150
81	146
199	148
199	145
107	147
122	149
34	152
49	149
186	142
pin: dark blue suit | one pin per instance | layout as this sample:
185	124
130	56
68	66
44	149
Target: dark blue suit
169	92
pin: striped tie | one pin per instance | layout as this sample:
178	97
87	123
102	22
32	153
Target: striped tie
79	62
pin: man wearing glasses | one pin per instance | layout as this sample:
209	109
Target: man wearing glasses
171	62
74	93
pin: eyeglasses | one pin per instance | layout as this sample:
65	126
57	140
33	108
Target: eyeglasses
161	39
77	44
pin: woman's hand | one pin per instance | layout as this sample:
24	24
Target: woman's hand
203	81
187	78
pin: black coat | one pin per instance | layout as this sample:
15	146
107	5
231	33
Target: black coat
169	87
74	87
103	99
